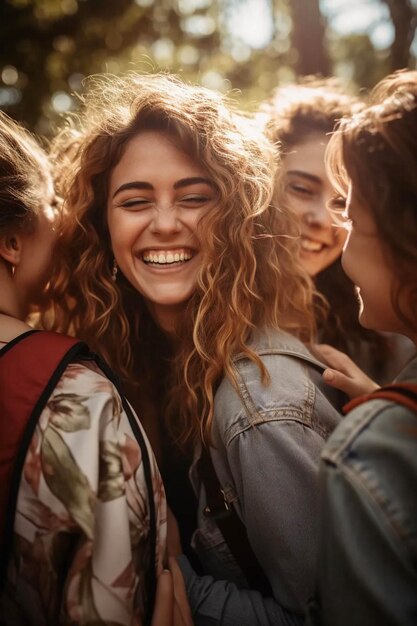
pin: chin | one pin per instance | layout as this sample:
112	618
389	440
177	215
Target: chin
365	322
169	301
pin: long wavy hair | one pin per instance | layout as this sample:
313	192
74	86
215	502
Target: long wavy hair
24	167
249	277
376	152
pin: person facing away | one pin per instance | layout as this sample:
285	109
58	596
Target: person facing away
82	545
171	228
367	566
301	119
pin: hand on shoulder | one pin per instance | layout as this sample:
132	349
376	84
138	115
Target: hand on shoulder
343	373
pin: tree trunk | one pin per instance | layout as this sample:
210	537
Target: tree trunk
308	38
404	19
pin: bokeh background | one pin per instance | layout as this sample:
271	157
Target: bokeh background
49	46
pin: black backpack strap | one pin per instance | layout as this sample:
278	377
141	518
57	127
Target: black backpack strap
231	526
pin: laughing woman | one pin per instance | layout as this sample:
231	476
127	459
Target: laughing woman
202	309
75	466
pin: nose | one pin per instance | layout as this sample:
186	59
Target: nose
318	215
165	220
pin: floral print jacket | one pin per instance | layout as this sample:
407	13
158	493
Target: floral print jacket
81	545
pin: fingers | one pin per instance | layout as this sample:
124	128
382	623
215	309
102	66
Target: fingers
163	614
354	385
343	373
340	381
182	613
336	359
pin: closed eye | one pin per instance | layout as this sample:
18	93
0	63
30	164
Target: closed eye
189	201
137	204
194	200
300	189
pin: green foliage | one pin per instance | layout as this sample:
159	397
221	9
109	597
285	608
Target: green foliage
356	60
48	46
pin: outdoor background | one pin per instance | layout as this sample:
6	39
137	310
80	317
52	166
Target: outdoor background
49	46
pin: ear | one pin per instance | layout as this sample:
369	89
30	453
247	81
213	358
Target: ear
11	248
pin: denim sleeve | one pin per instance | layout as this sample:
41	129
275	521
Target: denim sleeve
216	602
275	473
367	574
275	470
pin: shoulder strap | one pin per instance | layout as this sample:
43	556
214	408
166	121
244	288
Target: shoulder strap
231	526
401	393
30	367
150	581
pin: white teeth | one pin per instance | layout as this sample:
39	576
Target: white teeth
166	258
310	245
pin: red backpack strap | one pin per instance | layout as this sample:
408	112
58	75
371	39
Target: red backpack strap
30	368
401	393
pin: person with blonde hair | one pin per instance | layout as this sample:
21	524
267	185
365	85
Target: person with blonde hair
178	266
82	505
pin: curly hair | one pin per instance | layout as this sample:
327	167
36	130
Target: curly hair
23	164
63	150
311	106
249	276
376	152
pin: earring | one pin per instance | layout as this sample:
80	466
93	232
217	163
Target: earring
114	271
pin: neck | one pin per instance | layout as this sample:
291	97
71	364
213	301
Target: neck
168	318
11	327
10	303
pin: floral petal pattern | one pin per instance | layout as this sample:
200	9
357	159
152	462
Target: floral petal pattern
81	551
66	481
69	412
112	484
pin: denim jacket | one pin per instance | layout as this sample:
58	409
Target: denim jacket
367	571
267	442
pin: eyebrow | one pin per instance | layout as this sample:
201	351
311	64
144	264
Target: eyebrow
311	177
184	182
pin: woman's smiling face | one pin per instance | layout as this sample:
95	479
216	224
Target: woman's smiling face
309	192
157	195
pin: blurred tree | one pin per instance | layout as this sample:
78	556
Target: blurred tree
404	19
357	61
309	38
48	46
